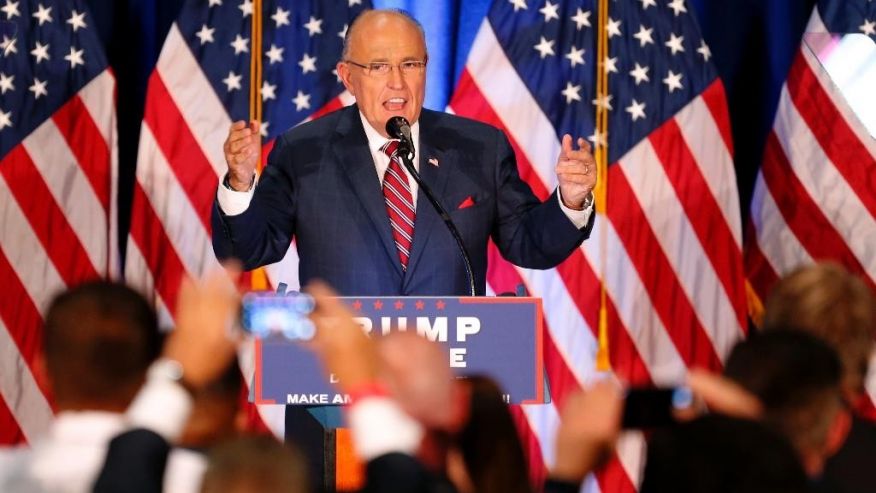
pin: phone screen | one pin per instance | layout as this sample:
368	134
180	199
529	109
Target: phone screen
654	407
266	314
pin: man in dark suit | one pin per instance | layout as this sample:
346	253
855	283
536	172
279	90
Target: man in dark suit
365	235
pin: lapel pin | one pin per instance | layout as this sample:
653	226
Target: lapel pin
433	161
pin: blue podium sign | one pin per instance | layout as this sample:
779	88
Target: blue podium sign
499	337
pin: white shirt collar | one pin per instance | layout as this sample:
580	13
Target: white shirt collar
376	141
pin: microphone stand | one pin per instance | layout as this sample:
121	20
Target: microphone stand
406	153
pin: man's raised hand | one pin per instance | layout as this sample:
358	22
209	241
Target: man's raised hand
241	153
576	171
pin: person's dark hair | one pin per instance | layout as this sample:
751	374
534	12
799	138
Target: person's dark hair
255	464
489	443
719	454
345	52
828	301
797	378
99	339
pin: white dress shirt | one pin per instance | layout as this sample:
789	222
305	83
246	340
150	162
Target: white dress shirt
68	459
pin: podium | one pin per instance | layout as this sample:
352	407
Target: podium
501	337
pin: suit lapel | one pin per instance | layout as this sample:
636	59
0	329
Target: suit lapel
435	167
351	150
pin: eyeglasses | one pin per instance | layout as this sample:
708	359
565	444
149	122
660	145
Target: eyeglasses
381	69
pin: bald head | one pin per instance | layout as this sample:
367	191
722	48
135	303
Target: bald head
378	19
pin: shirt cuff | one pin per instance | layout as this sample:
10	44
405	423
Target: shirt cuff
578	218
379	426
163	406
233	202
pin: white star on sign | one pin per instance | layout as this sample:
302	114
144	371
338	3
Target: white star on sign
307	63
43	14
11	9
354	2
205	34
313	26
673	81
275	54
704	50
549	11
613	28
644	35
674	43
232	81
240	45
245	8
647	3
263	128
610	64
603	102
575	56
75	57
268	91
572	93
636	110
343	33
6	83
518	4
640	73
77	20
41	52
5	119
677	6
302	101
38	88
581	19
545	47
281	17
214	3
8	46
868	27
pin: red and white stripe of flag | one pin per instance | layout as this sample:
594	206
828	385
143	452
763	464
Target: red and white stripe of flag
57	201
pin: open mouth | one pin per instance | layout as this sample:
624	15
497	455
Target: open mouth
395	104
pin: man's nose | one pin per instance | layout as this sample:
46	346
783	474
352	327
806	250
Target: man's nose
395	79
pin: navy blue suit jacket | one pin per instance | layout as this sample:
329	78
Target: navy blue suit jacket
321	186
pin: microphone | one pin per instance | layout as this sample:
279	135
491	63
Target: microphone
399	128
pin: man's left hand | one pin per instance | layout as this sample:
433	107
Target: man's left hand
576	171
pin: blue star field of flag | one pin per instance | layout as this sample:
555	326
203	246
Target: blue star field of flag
849	16
657	62
302	43
49	51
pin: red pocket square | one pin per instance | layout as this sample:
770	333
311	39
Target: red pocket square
468	202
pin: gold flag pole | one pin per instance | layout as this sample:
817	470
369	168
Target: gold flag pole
258	277
603	362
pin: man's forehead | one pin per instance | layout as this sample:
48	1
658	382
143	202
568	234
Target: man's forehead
387	35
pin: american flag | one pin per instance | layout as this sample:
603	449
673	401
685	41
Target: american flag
668	247
815	196
57	185
199	86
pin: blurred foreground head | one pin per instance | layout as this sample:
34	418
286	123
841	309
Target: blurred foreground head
826	300
720	454
100	338
487	456
797	378
255	464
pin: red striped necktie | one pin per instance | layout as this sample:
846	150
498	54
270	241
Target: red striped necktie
399	203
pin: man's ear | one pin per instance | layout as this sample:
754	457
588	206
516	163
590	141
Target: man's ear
838	431
41	373
344	73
